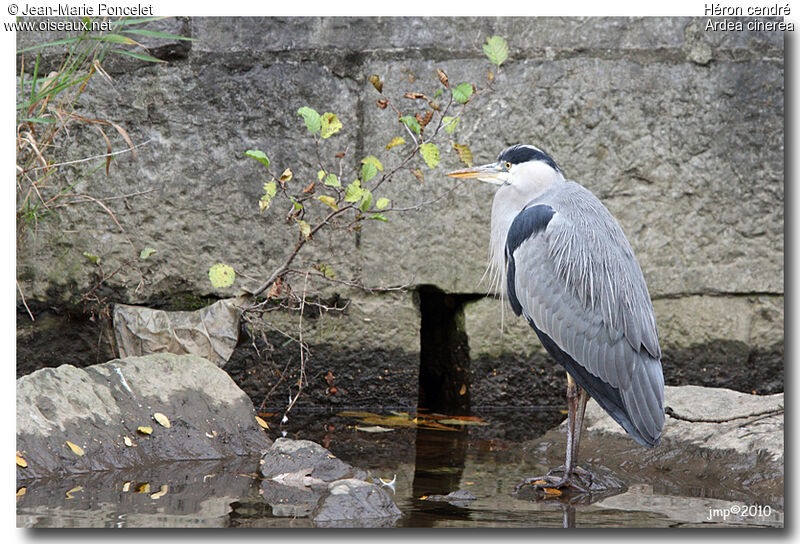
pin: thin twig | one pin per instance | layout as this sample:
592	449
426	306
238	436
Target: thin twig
94	157
22	296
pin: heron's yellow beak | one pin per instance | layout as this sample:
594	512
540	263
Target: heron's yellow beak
490	173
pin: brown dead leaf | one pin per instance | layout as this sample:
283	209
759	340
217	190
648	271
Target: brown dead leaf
414	96
418	174
463	390
382	103
286	176
276	289
310	188
551	491
443	77
263	424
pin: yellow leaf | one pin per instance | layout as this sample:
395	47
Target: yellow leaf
330	125
464	153
463	390
21	462
397	140
145	430
143	488
77	450
430	154
286	176
73	490
128	441
454	421
329	200
126	487
160	493
262	423
373	161
221	275
552	491
21	491
162	419
305	228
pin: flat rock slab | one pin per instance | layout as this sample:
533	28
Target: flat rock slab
712	418
72	420
355	500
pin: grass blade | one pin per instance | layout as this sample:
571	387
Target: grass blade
156	34
127	22
140	56
48	44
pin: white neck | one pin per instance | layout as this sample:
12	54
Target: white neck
526	182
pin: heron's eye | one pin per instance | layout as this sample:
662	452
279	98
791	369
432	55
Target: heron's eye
508	165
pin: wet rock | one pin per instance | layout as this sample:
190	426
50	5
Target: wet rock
460	497
290	502
105	411
712	418
291	456
358	501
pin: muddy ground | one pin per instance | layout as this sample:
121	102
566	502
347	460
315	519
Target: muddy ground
388	379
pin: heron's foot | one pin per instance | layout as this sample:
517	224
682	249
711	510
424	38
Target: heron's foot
557	482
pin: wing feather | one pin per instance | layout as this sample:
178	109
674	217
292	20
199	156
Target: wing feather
578	282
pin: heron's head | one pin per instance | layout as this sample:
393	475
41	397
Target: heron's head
524	167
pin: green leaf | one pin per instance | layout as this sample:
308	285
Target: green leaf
296	205
331	180
330	125
312	119
366	200
379	217
260	156
462	93
353	192
374	161
437	94
381	203
94	258
450	123
430	153
140	56
368	171
412	123
397	140
156	34
496	48
329	200
305	229
326	270
221	275
146	252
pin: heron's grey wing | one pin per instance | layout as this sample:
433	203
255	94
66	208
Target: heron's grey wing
581	289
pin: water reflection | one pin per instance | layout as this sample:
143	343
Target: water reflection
661	489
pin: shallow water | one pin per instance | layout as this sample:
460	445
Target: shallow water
488	460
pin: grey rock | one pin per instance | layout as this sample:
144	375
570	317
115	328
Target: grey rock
713	419
290	456
356	501
96	408
288	501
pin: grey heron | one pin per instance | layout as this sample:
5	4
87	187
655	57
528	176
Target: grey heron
562	261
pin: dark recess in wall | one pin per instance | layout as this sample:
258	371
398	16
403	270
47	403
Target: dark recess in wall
444	373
